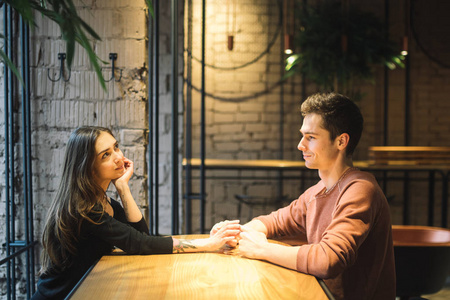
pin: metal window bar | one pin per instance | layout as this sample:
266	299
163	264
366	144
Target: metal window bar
12	93
174	83
203	125
153	122
188	117
154	57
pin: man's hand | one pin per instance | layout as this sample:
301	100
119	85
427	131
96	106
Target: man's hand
252	243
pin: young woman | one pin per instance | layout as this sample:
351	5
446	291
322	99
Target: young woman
83	223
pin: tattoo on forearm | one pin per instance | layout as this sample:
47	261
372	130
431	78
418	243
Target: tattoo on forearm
184	244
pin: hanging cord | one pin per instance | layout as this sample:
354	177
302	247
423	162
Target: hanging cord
269	46
254	95
232	30
237	99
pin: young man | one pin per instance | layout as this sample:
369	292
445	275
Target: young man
345	216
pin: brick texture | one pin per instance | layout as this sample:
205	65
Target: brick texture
243	106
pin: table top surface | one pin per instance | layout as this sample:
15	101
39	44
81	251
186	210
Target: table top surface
194	276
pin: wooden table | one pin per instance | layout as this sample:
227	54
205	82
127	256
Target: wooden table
195	276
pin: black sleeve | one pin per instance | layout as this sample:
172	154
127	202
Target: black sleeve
119	214
127	238
140	226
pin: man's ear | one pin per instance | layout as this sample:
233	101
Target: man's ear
343	140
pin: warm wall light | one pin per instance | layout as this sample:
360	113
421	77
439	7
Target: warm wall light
405	46
230	42
405	41
231	24
288	44
288	26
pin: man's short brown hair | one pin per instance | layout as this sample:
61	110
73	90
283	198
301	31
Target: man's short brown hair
339	115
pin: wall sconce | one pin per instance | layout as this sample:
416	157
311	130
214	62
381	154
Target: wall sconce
288	44
404	46
231	31
405	41
288	17
230	42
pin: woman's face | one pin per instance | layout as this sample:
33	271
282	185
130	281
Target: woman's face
109	160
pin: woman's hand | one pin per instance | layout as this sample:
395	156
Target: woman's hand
225	232
216	228
132	211
252	243
128	169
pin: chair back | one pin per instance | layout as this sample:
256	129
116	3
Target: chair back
422	259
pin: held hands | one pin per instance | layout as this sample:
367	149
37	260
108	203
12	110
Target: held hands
233	242
221	235
254	244
225	232
251	241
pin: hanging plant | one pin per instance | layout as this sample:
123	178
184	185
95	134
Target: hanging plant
337	45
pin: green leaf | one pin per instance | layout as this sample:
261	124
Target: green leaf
84	42
398	59
23	7
292	61
89	30
9	64
390	65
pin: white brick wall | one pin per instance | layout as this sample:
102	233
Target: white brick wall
59	107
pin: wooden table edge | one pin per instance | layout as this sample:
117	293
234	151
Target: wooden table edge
75	288
322	284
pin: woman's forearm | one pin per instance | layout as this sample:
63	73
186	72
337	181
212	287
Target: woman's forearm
196	245
132	211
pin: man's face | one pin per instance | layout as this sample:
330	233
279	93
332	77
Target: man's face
319	152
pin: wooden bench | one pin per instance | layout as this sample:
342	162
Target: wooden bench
408	155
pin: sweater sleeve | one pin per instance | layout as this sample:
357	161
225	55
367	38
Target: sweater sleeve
287	221
128	237
352	218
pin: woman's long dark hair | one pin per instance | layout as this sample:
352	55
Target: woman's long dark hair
76	197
